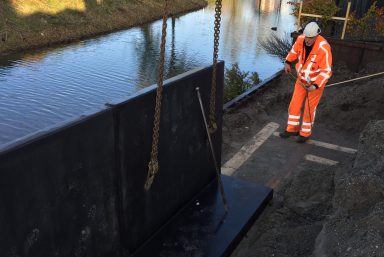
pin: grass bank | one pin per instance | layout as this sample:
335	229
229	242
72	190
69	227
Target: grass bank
30	24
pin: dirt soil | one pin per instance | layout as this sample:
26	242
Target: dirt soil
320	210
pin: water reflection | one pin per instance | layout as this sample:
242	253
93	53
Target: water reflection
45	87
268	5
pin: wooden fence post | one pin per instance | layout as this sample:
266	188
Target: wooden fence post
346	20
298	18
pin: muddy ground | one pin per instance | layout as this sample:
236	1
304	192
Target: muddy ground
316	210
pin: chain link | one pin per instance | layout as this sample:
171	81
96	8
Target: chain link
153	165
212	103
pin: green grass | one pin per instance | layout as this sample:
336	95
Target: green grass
27	24
46	6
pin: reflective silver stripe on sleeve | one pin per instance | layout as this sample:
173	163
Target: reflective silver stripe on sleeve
325	75
326	53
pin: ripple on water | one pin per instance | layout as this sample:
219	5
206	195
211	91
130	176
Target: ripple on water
42	88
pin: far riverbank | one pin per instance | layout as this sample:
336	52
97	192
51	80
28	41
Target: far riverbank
24	25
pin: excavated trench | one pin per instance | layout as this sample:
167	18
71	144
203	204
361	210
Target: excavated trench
317	210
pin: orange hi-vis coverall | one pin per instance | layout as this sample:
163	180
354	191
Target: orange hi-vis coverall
315	70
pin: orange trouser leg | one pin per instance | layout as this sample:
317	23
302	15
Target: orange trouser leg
294	110
310	106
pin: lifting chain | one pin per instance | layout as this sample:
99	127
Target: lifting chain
212	103
153	165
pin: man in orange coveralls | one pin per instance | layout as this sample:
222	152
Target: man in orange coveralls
313	71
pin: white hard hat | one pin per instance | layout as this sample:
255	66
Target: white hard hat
312	29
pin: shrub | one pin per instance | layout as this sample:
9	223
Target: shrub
369	27
277	46
237	81
326	8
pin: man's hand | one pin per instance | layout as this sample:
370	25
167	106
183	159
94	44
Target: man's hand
287	68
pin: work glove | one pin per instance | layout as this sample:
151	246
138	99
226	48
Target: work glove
287	68
311	88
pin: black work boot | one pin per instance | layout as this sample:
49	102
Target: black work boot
286	134
301	139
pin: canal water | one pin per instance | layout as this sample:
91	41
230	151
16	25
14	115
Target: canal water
42	88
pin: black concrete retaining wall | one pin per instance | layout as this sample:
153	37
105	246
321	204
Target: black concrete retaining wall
78	189
356	55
